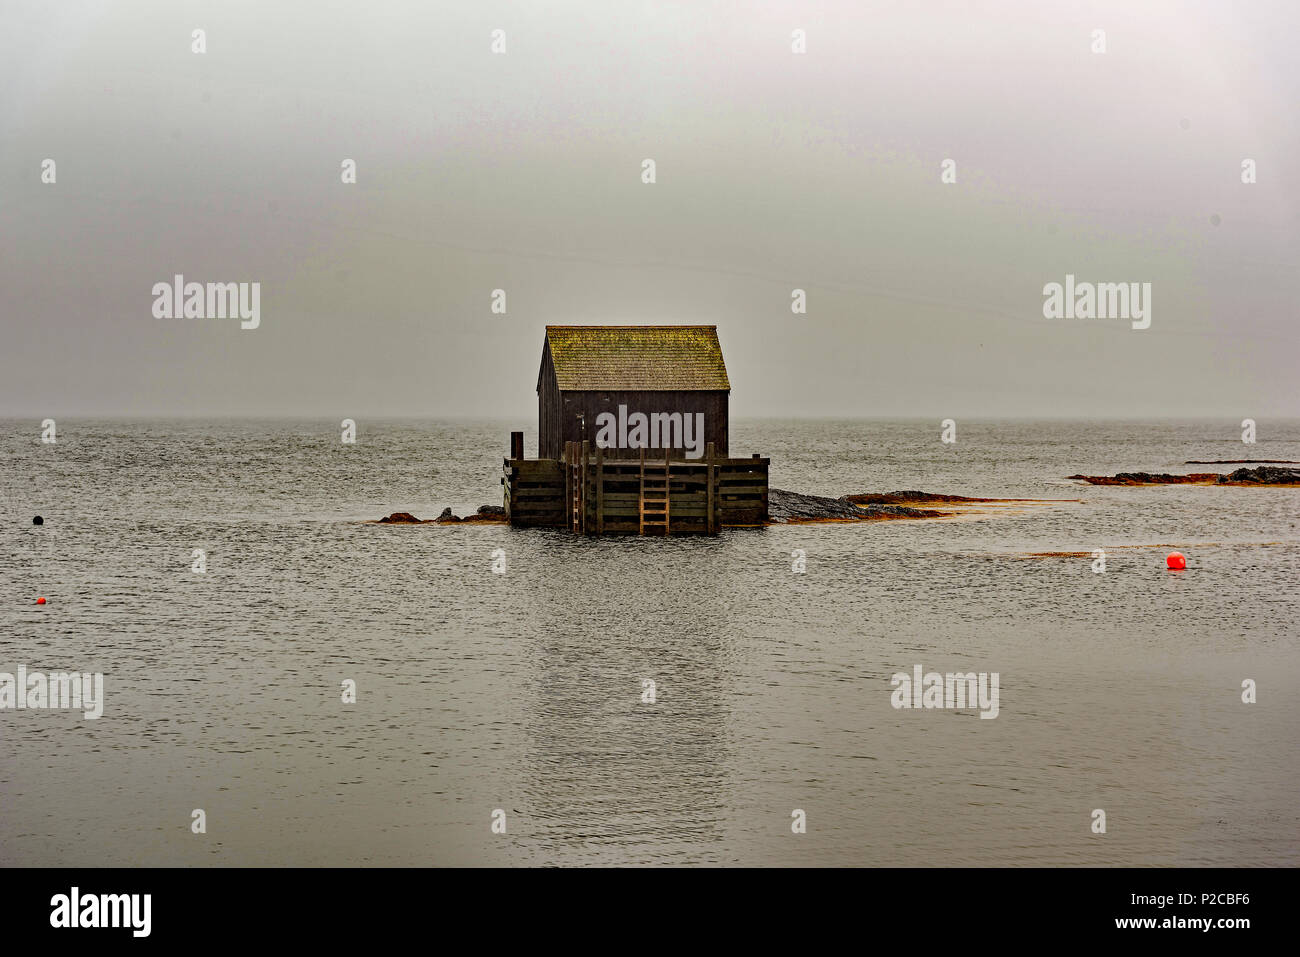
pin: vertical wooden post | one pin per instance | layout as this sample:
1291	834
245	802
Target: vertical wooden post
668	494
586	453
600	491
710	524
516	445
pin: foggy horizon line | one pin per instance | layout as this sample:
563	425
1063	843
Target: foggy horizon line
462	417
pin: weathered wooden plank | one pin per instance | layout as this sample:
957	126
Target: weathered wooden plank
712	483
586	453
600	491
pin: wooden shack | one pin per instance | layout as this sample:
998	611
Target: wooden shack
588	371
632	437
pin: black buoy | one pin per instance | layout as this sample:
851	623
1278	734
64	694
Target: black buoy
38	520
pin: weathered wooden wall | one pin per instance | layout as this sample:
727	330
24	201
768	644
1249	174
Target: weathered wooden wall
559	422
550	438
534	493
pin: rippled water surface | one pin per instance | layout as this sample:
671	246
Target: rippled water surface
522	691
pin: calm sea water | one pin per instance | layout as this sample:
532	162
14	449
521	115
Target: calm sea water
522	691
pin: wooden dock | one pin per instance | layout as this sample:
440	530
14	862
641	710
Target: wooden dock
590	493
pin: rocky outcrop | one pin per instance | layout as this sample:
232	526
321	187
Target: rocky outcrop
911	498
1263	475
1149	478
789	507
486	515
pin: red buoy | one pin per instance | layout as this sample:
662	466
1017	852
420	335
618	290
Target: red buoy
1176	561
40	601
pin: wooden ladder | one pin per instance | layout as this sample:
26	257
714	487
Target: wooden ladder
655	477
577	488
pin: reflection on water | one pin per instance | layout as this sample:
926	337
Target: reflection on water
523	692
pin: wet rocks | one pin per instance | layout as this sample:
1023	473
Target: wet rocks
1263	475
911	498
1148	478
486	515
785	507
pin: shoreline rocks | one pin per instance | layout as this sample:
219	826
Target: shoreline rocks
785	507
1149	478
1262	475
486	515
912	498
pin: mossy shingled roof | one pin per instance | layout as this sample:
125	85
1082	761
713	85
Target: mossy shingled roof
645	358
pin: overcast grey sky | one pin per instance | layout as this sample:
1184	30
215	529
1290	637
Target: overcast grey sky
522	171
